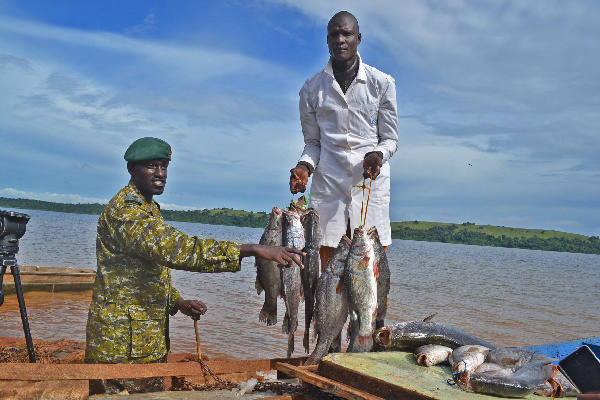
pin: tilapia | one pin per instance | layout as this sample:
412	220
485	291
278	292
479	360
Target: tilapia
468	357
412	334
292	236
383	279
268	273
331	303
360	276
523	382
312	266
432	354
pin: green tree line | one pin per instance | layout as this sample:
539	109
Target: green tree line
220	216
460	234
466	233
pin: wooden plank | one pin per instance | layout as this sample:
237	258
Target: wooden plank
35	372
371	384
309	375
63	390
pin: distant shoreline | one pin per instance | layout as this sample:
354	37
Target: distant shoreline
465	233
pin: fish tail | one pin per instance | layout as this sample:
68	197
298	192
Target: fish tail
290	345
268	315
318	353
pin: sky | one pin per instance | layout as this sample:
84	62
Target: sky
498	102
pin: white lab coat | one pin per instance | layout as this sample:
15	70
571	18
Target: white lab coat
339	129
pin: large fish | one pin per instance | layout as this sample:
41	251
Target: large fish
516	357
523	382
412	334
312	266
360	276
520	372
331	303
268	273
383	280
292	236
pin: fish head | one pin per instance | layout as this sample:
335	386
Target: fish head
550	370
373	234
361	245
275	218
382	337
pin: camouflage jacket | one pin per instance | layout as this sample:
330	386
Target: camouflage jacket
133	294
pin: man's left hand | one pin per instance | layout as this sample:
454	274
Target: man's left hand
372	165
191	308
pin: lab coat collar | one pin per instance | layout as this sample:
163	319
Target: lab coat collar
361	74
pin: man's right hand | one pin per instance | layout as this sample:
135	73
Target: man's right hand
298	178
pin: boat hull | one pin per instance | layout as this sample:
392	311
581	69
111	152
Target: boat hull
50	279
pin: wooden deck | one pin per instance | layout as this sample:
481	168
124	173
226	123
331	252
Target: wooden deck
391	375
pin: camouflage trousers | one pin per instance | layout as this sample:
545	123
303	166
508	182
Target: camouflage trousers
134	385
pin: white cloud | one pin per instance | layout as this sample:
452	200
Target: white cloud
509	87
53	197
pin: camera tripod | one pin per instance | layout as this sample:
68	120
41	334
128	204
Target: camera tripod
12	227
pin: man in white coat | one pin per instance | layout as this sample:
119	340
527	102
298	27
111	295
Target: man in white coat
350	127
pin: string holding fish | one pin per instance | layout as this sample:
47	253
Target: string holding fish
363	208
302	201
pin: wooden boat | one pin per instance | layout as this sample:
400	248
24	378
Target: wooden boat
50	279
366	376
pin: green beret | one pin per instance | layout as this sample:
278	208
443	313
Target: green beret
148	148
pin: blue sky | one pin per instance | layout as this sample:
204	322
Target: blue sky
499	102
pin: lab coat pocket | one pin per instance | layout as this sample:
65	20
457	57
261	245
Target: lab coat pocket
148	327
367	123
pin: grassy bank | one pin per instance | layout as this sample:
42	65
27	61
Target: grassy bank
497	236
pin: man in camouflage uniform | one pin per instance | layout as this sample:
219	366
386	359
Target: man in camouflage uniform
136	249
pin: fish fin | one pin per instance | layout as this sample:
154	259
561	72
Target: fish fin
376	270
290	345
258	286
364	263
306	341
339	286
428	319
285	327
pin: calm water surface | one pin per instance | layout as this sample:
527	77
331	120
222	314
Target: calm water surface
509	297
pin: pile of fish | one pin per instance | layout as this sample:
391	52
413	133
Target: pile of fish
355	283
477	366
298	228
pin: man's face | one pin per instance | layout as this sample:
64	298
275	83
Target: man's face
343	38
150	177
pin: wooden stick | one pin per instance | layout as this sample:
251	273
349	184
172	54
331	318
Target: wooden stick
197	340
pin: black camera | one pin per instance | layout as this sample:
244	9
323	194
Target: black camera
12	228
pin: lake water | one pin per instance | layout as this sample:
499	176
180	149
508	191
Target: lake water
509	297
